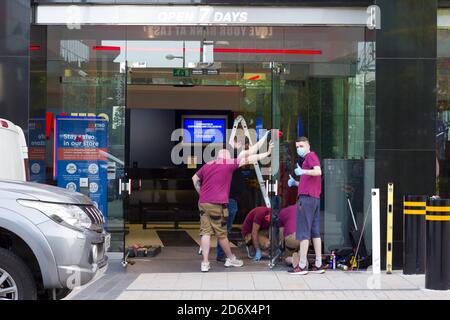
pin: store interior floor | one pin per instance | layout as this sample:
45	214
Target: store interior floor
180	250
165	235
186	259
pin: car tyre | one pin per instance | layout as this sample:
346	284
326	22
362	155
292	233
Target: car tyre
14	273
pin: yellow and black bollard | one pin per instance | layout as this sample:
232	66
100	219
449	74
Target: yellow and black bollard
414	212
390	227
437	274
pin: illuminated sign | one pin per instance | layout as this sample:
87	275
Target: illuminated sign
74	16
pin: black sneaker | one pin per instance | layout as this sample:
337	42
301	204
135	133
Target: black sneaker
221	259
318	270
298	270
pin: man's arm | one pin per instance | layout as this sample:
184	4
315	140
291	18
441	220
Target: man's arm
315	171
255	157
255	232
197	183
254	148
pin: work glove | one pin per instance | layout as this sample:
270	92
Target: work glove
292	182
299	171
258	255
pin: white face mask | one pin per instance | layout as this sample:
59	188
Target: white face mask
301	152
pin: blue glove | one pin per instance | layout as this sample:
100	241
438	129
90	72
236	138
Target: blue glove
292	182
258	255
299	171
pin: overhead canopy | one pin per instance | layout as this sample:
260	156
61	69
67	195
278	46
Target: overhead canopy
73	15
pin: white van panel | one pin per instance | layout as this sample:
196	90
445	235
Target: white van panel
12	166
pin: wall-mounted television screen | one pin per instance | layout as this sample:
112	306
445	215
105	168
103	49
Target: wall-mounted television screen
204	129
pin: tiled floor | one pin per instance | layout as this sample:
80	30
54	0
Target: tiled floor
175	275
149	236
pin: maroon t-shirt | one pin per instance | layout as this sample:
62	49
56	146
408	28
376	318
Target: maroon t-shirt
215	177
287	220
257	216
309	185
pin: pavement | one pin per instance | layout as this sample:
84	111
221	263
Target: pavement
174	275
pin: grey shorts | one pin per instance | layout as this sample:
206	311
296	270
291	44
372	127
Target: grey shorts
308	218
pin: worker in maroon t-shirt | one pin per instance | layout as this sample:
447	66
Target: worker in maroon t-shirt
213	182
308	207
255	232
287	222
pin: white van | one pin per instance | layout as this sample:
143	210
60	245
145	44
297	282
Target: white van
13	152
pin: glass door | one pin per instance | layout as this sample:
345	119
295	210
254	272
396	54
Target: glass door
86	83
274	185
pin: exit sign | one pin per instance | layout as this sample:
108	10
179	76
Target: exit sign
180	72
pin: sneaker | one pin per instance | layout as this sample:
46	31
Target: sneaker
298	270
318	270
233	262
295	259
221	259
205	267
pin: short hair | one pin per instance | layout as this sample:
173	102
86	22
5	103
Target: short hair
303	139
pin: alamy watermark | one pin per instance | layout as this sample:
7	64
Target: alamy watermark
191	147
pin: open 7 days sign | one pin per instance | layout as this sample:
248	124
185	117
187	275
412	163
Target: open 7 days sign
73	16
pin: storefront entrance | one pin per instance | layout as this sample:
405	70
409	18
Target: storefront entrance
150	82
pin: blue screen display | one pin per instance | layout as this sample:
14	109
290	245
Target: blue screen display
204	130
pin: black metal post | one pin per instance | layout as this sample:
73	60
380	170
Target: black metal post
414	237
437	274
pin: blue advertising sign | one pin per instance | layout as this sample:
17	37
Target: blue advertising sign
81	165
36	149
204	130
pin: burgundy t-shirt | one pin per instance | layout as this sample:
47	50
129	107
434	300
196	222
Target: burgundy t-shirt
215	177
287	220
257	216
309	185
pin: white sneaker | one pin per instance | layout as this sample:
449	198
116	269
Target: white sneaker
233	262
205	267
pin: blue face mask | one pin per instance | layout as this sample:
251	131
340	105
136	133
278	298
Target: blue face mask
301	152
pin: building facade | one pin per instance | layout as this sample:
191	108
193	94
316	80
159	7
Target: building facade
366	97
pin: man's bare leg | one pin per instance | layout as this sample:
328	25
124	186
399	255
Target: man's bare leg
317	243
303	252
205	243
225	244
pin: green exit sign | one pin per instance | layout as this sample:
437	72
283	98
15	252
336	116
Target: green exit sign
180	72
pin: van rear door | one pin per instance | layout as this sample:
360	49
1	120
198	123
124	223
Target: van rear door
14	152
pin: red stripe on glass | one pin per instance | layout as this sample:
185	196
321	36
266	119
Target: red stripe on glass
106	48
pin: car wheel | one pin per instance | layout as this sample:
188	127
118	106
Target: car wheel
16	280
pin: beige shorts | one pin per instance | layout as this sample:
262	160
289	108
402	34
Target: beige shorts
263	239
291	243
213	219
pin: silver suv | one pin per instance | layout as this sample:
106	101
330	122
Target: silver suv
51	241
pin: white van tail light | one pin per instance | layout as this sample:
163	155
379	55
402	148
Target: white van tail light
27	169
4	124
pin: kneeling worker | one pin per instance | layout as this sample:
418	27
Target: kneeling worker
255	232
287	224
213	182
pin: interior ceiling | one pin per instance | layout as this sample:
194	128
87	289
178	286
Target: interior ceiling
185	98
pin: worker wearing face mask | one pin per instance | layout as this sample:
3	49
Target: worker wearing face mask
308	207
